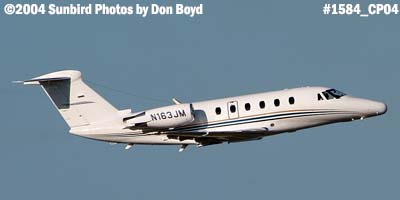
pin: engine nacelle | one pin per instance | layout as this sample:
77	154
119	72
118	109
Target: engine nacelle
164	117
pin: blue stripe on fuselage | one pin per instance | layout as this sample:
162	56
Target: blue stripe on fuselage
258	119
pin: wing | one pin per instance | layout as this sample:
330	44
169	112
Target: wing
217	137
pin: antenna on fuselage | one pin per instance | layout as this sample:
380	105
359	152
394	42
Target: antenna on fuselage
176	101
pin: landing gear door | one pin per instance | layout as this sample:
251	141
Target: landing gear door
233	110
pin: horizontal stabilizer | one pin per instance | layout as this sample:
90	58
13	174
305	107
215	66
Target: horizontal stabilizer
39	80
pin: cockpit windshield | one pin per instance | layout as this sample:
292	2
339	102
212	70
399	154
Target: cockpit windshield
333	93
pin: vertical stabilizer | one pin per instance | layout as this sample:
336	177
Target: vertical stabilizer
77	103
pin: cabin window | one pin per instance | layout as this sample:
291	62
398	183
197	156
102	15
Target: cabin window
232	108
247	106
320	97
277	102
335	93
262	104
218	110
291	100
328	95
331	94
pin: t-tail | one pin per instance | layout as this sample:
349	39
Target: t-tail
79	105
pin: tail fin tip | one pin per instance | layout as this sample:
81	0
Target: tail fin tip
72	75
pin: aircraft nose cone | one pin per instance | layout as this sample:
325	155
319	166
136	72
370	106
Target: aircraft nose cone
364	108
369	108
381	108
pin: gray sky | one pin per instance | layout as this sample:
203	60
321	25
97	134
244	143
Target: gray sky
234	48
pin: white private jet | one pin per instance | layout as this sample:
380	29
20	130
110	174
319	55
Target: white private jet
232	119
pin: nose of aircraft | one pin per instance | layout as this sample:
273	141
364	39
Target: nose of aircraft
380	108
368	108
373	108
